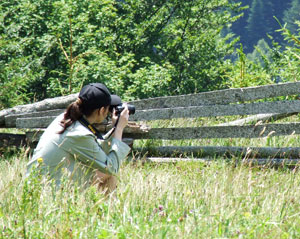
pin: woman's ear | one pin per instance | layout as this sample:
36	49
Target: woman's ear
103	110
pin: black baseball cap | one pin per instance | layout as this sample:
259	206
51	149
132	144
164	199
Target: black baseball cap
96	95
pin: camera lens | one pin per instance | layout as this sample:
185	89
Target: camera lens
131	109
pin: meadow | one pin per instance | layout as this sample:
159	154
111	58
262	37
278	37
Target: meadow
220	198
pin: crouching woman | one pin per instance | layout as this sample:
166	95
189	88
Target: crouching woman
72	145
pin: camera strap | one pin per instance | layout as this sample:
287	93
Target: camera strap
85	123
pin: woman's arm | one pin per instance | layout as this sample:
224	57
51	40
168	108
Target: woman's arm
87	150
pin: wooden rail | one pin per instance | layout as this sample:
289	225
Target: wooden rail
221	96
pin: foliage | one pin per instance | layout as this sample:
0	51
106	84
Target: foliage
261	53
141	49
246	72
138	48
286	61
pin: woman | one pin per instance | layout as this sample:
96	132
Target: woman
72	146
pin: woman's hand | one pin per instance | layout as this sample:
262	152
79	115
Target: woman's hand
123	121
124	116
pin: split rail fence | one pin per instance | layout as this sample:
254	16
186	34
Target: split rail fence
257	103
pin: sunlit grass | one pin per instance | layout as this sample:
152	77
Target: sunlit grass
12	130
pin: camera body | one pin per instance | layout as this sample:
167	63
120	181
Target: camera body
121	107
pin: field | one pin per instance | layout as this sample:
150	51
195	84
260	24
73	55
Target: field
183	200
220	198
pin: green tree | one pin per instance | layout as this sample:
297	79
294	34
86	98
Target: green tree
248	72
291	15
288	63
239	27
139	48
260	21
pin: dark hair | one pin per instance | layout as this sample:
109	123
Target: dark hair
73	113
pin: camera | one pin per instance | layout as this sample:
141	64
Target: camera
121	107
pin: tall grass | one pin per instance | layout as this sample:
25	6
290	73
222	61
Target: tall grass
183	200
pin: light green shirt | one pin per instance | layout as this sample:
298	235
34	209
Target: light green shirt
77	152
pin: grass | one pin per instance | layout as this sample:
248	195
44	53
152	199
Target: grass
183	200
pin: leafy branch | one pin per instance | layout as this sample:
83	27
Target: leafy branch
70	58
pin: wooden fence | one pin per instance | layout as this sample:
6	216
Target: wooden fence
229	102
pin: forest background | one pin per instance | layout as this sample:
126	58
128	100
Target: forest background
144	48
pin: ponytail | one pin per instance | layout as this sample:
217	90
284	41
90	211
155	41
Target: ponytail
73	113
